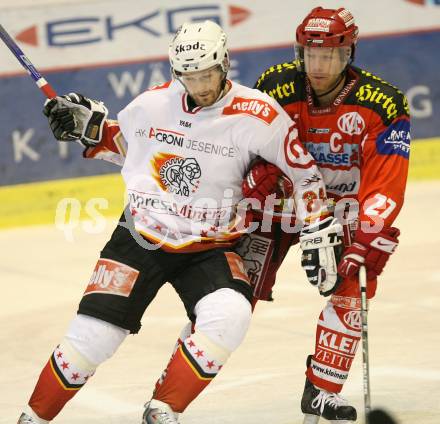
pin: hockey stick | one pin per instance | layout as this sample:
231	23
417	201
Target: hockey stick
372	416
365	355
42	84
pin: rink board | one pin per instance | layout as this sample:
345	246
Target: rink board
51	201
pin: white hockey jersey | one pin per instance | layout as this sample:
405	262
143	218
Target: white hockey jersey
183	168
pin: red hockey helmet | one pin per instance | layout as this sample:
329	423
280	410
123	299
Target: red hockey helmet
327	28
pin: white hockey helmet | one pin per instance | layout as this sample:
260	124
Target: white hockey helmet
198	46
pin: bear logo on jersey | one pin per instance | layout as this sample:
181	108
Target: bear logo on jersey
176	174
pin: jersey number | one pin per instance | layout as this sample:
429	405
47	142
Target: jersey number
380	203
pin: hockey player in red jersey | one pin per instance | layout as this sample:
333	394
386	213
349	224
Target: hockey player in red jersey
184	148
357	128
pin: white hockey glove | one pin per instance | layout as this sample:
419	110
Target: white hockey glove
322	248
74	117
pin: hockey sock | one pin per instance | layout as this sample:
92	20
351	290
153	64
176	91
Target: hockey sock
88	342
194	364
337	338
185	333
222	319
63	375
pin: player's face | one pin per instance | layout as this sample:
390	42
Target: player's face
204	86
324	65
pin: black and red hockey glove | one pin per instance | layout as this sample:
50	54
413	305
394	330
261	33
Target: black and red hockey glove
370	249
264	179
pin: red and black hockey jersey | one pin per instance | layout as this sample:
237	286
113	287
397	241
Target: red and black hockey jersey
360	142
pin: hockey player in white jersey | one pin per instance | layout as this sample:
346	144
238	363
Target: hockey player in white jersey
184	148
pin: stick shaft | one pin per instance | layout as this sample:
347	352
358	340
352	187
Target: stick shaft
42	84
365	353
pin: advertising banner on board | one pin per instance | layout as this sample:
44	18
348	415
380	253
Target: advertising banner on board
111	53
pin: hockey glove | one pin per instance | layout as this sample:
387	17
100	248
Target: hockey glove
264	179
322	248
371	250
74	117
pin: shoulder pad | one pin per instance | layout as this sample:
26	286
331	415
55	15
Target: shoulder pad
281	82
375	93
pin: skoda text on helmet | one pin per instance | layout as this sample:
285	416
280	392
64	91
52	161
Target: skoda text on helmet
198	46
331	28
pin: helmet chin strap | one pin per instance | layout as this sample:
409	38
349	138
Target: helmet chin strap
222	87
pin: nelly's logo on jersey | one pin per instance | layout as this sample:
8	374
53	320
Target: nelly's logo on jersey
111	277
175	174
166	136
395	140
367	93
253	107
351	123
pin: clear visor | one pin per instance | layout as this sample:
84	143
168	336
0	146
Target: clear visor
323	61
205	87
208	77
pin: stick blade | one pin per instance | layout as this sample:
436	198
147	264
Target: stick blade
379	416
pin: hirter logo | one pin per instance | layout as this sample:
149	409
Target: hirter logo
252	107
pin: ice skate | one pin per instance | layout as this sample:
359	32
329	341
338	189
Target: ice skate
27	419
157	412
317	403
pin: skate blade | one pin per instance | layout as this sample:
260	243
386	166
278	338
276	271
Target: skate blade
311	419
341	421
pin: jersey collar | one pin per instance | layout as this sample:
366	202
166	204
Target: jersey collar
189	106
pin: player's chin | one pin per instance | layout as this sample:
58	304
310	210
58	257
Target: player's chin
321	85
205	101
319	80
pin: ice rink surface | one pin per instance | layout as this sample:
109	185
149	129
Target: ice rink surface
43	276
